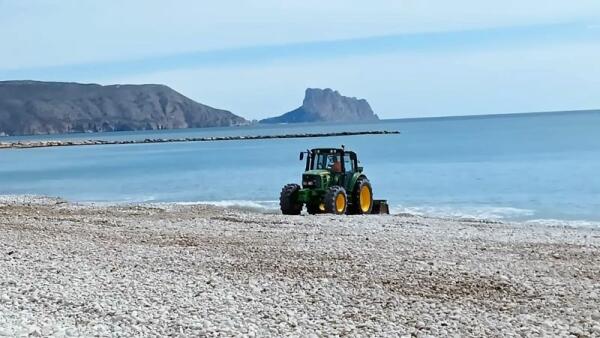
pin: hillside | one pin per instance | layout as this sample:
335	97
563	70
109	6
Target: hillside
33	107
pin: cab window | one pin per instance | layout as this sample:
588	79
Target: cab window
325	161
348	163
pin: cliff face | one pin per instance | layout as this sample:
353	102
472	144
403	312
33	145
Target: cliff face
32	107
327	105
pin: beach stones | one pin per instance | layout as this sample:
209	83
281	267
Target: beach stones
197	270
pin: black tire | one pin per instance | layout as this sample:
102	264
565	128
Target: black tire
331	198
313	208
355	205
288	200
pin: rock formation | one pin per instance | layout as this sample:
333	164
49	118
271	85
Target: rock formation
329	106
33	107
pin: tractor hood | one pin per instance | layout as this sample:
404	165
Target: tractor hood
316	179
319	172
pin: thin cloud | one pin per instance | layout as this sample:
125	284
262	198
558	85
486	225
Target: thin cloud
422	42
47	33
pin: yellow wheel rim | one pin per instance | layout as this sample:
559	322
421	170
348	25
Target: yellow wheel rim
340	202
365	198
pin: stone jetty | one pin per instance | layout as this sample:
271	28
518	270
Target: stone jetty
65	143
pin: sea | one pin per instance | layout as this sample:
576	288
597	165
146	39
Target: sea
540	168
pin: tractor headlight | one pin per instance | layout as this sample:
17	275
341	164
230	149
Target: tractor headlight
310	181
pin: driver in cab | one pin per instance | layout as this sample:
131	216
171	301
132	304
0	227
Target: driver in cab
334	164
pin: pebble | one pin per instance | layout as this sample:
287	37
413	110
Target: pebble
576	331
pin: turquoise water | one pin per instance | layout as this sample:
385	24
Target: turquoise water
506	167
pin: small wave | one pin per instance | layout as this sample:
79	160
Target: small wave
478	212
30	199
494	213
563	223
267	206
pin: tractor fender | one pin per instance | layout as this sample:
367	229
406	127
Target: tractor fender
352	182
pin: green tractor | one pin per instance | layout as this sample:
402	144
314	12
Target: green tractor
332	183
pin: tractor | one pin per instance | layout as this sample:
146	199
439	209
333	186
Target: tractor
332	182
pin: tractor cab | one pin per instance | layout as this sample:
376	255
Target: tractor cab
330	164
332	182
332	159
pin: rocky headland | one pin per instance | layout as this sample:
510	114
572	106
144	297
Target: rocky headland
35	107
327	105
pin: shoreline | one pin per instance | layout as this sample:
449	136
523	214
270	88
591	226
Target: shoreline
169	269
55	143
271	207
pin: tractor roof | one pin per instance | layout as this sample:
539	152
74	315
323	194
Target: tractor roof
330	150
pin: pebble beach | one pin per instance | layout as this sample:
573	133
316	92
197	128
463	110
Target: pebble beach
152	270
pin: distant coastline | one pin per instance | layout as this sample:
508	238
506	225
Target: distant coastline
255	122
50	108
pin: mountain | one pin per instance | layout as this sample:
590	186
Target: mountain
34	107
327	105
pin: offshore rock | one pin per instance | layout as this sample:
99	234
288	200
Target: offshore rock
327	105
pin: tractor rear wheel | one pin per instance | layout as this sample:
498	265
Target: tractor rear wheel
288	200
336	200
362	197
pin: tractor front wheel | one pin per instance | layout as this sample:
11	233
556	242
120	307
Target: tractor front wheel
288	200
336	200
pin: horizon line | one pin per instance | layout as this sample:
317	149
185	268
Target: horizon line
549	112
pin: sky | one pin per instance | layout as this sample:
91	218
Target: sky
408	58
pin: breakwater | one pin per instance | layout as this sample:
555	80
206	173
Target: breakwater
70	143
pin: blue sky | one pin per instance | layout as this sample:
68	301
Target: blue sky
255	58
